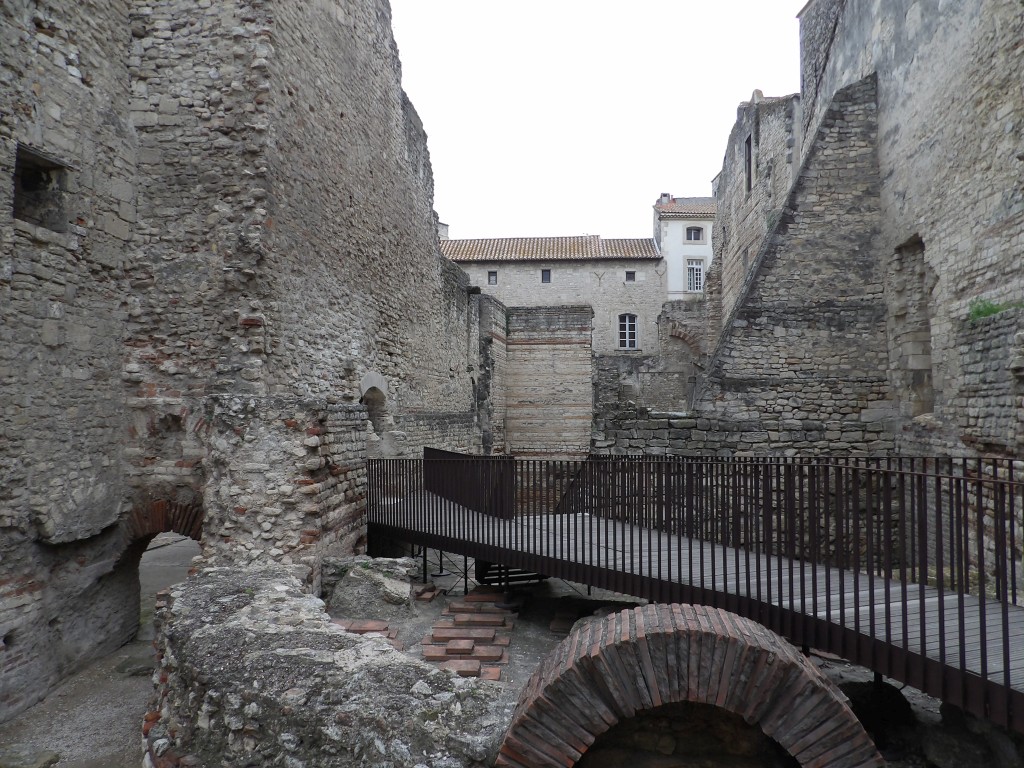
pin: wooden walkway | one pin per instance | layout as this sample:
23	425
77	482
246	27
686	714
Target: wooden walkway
959	648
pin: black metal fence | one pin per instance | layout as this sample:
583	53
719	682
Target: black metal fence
910	566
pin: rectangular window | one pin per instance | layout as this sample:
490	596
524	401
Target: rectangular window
492	277
627	331
39	184
630	277
545	275
694	234
694	275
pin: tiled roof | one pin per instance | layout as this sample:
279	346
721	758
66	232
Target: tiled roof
687	207
581	247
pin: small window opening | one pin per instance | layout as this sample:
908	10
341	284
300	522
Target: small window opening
627	331
545	275
39	186
748	162
694	234
630	277
492	277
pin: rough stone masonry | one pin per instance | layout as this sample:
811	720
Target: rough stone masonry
219	284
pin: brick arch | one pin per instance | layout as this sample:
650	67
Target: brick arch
689	338
148	518
610	669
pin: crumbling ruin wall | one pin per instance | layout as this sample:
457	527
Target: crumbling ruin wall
628	384
949	122
252	670
760	165
491	385
223	243
806	340
990	399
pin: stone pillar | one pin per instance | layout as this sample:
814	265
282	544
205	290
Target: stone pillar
285	480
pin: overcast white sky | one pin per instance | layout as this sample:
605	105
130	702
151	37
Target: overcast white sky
565	117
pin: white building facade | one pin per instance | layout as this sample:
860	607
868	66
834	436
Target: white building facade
682	231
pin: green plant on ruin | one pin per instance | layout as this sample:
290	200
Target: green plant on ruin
981	308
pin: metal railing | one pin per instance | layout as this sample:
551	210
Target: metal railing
910	566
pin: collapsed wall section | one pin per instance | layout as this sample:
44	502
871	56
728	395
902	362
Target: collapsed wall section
253	671
626	385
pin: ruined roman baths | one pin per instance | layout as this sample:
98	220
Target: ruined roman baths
204	332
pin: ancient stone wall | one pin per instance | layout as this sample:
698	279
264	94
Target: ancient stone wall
601	284
759	167
950	187
492	383
990	399
664	383
549	406
67	158
353	203
286	480
806	339
222	242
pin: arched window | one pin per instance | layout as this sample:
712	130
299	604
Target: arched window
694	234
627	332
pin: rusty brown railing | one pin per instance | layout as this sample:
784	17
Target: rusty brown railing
909	566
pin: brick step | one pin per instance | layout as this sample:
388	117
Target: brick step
463	667
490	653
435	653
484	595
460	647
444	634
502	640
427	595
463	607
479	620
490	673
364	626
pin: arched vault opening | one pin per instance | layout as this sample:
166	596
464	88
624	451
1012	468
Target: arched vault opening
638	660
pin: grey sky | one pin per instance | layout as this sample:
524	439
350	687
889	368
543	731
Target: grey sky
563	117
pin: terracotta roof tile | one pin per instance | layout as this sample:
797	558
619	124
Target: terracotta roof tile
687	207
581	247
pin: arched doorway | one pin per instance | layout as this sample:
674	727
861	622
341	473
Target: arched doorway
162	536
